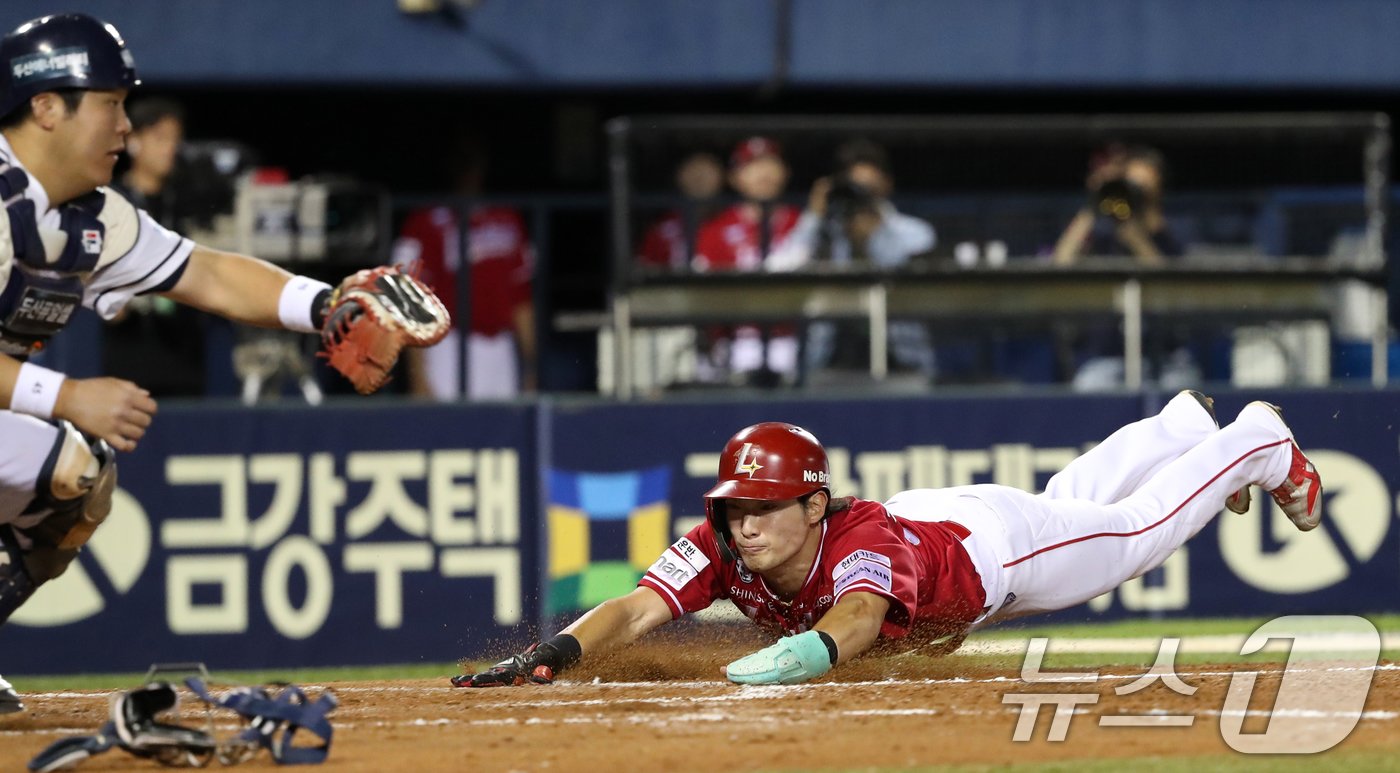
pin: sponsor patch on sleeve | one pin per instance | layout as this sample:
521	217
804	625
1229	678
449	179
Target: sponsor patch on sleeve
679	564
853	558
865	571
691	553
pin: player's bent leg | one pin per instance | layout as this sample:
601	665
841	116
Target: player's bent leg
75	487
1120	464
27	443
16	587
72	495
1065	552
1299	494
16	584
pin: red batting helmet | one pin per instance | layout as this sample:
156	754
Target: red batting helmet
771	460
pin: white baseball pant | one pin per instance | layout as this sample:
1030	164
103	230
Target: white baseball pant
1114	513
25	442
493	367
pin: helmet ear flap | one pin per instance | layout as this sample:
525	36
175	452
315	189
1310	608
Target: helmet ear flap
719	523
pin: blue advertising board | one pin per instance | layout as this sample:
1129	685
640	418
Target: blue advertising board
280	537
388	533
1252	564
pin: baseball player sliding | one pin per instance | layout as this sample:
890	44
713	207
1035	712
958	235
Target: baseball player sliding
65	239
837	574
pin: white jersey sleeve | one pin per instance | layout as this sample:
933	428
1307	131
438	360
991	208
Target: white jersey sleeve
138	256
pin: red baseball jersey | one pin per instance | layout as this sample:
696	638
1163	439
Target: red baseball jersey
663	246
730	241
921	567
502	262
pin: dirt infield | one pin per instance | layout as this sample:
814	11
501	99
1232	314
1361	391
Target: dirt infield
648	712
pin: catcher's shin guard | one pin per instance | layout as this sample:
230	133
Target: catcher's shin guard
75	485
16	586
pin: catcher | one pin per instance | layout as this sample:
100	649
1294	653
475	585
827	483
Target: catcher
65	240
836	575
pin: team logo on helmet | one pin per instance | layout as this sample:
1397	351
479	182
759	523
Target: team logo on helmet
751	466
56	63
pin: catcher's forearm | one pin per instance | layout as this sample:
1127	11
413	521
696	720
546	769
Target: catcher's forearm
854	623
235	287
619	622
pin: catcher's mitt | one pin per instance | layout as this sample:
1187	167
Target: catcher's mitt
373	315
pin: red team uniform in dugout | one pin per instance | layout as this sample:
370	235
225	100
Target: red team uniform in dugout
731	241
664	245
500	260
920	566
502	265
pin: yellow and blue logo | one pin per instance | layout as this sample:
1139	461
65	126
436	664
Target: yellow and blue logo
605	529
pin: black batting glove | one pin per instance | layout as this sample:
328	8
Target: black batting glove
515	670
536	665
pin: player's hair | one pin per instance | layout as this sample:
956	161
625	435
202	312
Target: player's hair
71	99
862	151
1148	155
149	112
834	505
700	155
1127	151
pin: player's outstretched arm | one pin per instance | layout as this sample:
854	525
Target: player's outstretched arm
233	286
618	622
846	630
608	626
364	323
854	623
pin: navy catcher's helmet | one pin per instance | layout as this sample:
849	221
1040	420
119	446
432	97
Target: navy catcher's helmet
63	51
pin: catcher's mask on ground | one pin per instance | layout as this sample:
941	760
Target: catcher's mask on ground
771	460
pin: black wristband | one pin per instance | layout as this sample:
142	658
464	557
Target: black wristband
830	645
320	307
560	652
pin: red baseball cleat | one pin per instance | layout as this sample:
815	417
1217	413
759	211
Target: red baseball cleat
1300	495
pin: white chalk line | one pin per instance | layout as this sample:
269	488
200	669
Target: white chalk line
1214	644
756	692
785	717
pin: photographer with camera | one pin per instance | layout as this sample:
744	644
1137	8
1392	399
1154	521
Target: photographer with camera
850	221
849	218
1123	213
1123	217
